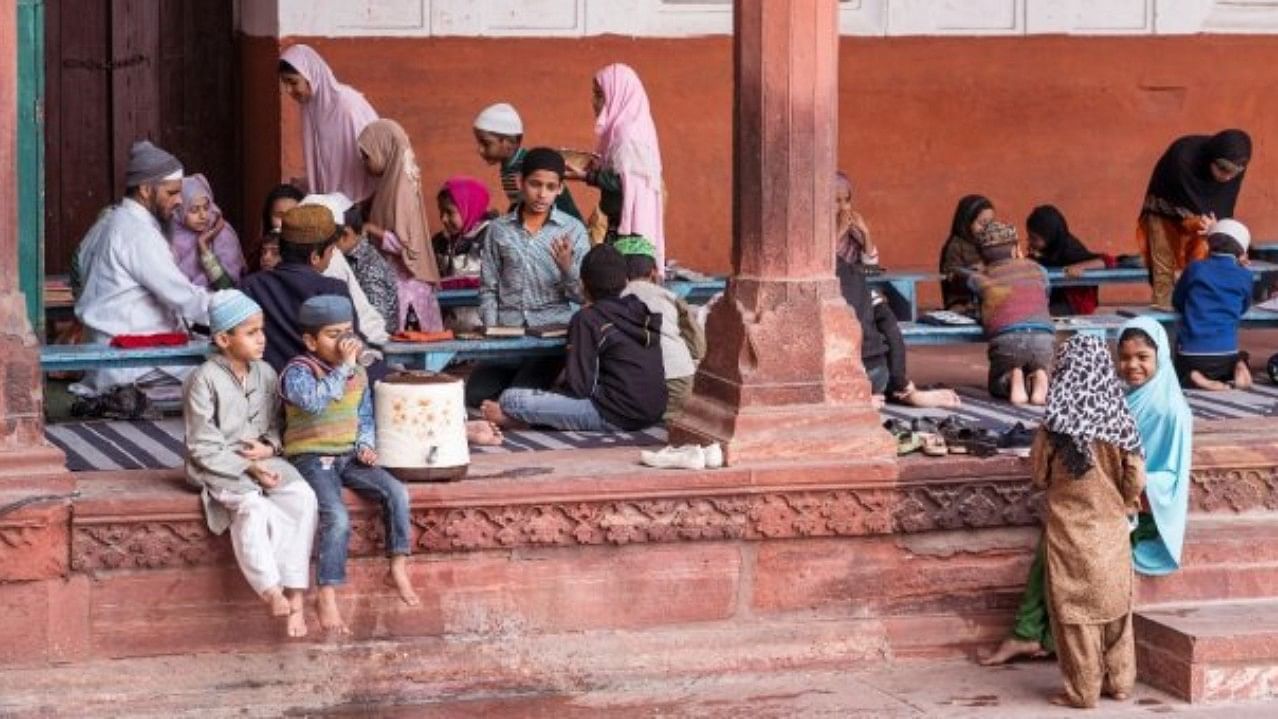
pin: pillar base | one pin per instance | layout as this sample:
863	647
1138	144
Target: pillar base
783	378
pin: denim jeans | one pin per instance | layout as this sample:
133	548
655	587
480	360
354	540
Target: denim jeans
550	409
327	474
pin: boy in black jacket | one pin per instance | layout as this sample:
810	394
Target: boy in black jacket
614	379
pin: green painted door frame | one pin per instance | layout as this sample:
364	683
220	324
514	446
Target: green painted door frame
30	23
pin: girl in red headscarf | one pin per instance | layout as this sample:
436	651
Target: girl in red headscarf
463	210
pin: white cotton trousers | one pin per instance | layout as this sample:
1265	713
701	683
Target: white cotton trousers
272	534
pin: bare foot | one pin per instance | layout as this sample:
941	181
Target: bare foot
1062	700
1242	376
296	615
1018	395
1038	387
1117	696
877	401
399	579
275	599
484	433
1200	381
1013	648
491	412
329	615
945	398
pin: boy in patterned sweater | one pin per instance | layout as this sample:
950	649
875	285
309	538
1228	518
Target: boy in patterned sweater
329	436
1013	293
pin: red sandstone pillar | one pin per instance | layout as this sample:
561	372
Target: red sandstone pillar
33	541
783	377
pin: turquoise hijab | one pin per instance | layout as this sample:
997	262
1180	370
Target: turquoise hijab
1167	433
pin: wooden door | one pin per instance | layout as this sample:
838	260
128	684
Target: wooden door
123	70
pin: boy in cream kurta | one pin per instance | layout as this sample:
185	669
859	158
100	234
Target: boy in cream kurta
1087	455
232	416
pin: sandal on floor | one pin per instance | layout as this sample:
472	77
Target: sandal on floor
934	445
907	442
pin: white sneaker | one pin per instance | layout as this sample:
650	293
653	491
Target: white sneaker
687	457
714	455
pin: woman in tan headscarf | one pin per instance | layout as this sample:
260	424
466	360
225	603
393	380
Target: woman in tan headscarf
397	222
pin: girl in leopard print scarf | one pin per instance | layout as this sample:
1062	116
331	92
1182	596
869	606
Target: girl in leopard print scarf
1085	404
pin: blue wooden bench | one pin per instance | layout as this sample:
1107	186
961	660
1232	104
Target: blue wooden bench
435	356
67	358
1254	318
921	334
1267	252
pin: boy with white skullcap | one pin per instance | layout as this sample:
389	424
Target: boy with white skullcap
232	414
499	132
1211	297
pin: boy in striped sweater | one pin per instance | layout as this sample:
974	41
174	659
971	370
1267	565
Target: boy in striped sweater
329	435
1013	294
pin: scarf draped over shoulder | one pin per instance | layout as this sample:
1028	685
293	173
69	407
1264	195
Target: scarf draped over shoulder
627	145
397	202
331	123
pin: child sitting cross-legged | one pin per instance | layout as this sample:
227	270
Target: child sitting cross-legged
614	375
231	412
683	342
1014	312
330	437
1211	296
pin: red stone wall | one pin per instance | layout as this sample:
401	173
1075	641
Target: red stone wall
1069	120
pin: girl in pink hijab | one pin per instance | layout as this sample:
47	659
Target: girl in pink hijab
333	116
205	248
628	169
463	210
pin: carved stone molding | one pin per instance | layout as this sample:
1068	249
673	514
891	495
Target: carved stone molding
146	545
912	506
1234	489
123	544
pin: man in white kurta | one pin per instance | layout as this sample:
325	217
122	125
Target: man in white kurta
132	285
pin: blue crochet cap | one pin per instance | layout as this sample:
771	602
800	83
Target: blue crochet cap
229	308
325	310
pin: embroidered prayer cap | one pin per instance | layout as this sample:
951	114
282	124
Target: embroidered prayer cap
308	225
1232	229
501	119
996	234
543	158
149	164
335	202
635	245
325	310
229	308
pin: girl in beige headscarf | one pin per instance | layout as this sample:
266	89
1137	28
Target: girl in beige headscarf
397	222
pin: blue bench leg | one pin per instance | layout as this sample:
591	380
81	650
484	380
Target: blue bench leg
901	298
437	361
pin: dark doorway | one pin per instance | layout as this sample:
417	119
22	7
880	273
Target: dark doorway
121	70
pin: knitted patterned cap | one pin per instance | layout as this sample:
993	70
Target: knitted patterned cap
148	164
325	310
229	308
995	234
635	245
308	225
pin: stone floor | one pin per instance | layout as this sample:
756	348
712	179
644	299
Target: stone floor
950	688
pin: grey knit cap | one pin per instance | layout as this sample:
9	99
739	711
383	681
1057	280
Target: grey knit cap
149	164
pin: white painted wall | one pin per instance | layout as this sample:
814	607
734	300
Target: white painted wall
681	18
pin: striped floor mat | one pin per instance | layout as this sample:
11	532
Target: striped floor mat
981	410
109	445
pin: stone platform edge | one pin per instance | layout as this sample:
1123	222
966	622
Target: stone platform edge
150	520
